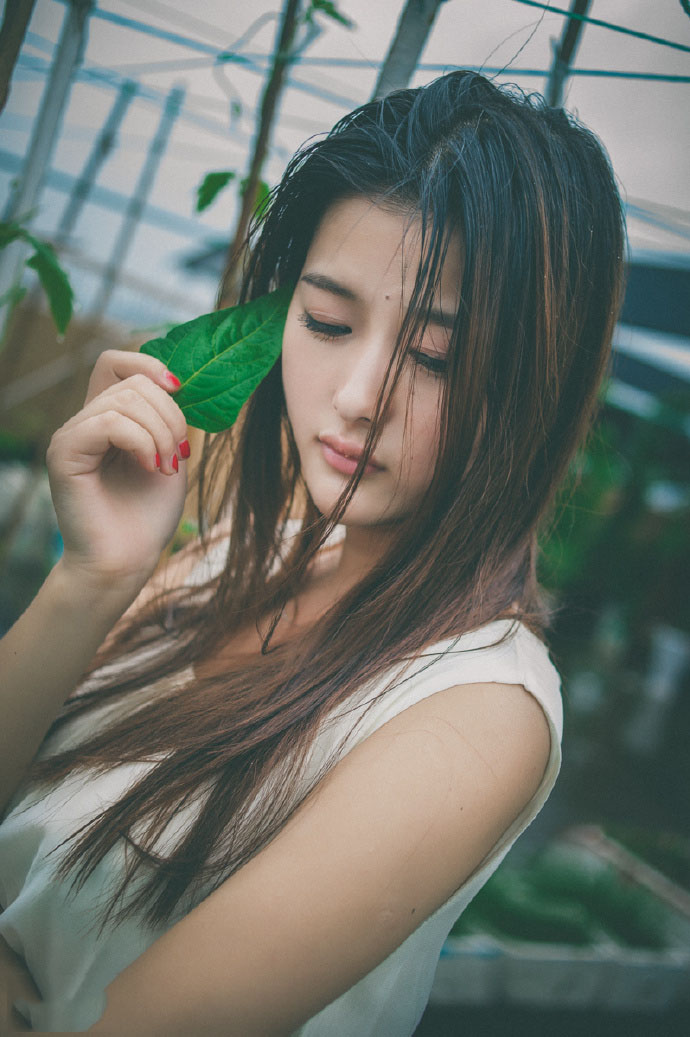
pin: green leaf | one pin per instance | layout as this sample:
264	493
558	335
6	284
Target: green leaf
9	232
328	8
54	281
53	278
210	186
262	193
221	357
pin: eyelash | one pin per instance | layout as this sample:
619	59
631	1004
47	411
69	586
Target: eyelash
326	332
432	364
329	332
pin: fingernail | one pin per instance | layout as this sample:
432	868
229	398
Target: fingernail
173	379
175	462
158	460
185	449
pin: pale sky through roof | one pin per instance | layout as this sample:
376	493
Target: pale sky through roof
644	125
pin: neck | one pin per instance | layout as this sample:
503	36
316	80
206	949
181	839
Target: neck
362	548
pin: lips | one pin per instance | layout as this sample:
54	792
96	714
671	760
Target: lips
344	455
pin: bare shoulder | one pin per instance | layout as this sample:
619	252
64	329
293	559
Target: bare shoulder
491	737
470	757
501	725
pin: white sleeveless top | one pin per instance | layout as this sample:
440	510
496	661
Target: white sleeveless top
55	933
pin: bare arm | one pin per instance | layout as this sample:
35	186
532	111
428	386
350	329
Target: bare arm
41	660
116	510
383	841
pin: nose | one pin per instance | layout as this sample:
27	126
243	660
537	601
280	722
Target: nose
360	377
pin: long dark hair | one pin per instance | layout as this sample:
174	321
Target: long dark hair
533	199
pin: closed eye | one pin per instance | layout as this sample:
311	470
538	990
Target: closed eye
329	332
321	329
434	364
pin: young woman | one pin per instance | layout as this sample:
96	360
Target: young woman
301	751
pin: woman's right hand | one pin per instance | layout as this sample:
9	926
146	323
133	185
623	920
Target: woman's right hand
116	508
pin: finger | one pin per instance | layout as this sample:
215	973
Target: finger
168	440
92	437
151	407
126	395
115	365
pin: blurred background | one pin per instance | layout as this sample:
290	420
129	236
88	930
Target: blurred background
136	138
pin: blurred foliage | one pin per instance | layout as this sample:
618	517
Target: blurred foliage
186	532
329	8
16	447
620	528
262	193
561	896
54	280
668	852
213	183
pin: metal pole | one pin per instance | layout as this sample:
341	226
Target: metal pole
564	54
410	36
100	151
105	141
137	202
82	186
23	200
63	367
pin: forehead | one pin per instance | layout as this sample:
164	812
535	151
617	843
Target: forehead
371	246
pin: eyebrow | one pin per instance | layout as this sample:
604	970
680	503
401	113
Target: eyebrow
327	284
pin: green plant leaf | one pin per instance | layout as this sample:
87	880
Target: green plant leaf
262	193
54	281
221	357
212	185
328	8
9	232
53	278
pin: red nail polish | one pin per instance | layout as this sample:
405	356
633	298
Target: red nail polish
174	381
158	460
175	462
185	449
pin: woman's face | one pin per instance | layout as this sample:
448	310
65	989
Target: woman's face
340	334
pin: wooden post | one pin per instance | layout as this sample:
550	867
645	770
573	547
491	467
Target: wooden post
228	290
403	56
14	24
564	54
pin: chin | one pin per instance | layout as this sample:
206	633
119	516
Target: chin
370	505
359	512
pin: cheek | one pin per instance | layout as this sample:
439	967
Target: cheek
423	436
287	374
301	364
295	373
